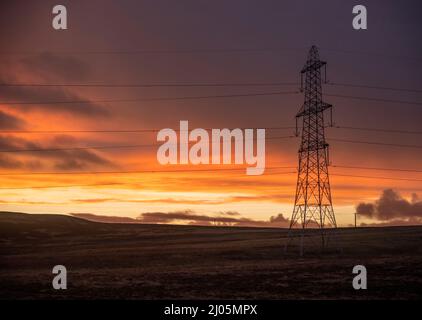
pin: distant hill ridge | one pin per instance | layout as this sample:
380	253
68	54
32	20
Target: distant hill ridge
17	223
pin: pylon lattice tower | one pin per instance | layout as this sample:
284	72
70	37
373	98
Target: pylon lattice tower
313	204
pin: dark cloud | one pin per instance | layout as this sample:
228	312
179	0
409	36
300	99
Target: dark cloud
7	162
62	159
48	68
229	213
52	100
279	219
10	161
10	142
10	122
79	159
390	206
64	139
366	209
56	67
188	217
222	220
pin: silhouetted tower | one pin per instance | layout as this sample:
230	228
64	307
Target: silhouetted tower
313	205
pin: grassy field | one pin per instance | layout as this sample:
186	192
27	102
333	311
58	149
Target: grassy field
135	261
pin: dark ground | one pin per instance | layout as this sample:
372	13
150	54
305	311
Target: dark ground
109	261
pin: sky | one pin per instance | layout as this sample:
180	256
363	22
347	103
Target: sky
176	42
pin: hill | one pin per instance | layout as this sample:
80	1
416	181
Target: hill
135	261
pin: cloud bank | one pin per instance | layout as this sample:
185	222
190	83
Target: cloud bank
391	208
189	217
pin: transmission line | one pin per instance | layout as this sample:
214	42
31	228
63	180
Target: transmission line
194	170
191	142
361	86
374	99
376	168
110	147
374	177
378	143
208	129
377	129
209	51
158	51
113	183
127	131
274	173
193	85
206	97
149	85
152	99
136	171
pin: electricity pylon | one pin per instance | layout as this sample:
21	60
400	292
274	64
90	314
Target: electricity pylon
313	204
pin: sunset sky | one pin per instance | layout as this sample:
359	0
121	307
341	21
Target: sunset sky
202	42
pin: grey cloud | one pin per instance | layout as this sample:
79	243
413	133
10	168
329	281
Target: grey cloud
189	217
50	99
391	205
48	68
7	162
229	213
56	67
63	159
279	219
192	218
79	159
10	122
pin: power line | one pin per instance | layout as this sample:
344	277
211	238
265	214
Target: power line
376	168
157	145
193	85
377	129
136	171
153	99
105	184
127	131
193	170
78	148
158	51
363	176
374	99
351	85
149	85
378	143
373	177
376	54
62	186
208	129
206	97
207	51
275	173
108	147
